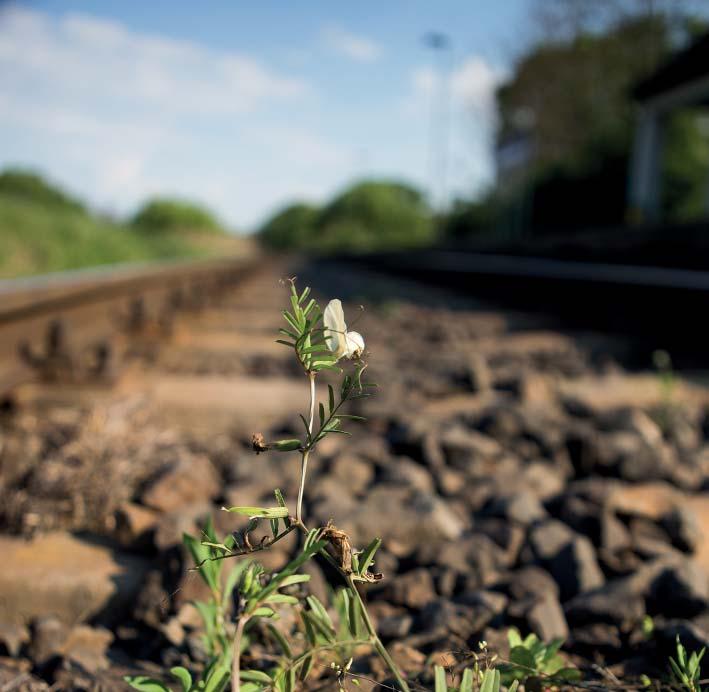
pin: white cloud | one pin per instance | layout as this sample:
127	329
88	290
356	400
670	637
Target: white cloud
471	116
121	115
80	56
471	84
355	47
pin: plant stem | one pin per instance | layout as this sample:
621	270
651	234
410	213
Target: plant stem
306	452
303	471
236	658
374	637
311	376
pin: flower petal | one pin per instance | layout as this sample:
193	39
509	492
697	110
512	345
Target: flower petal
355	344
335	328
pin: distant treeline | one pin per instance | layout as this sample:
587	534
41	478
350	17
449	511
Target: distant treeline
45	229
569	105
370	215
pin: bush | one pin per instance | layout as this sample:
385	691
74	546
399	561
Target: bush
370	215
293	227
375	215
31	187
165	214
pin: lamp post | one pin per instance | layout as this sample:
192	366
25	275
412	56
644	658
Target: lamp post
440	44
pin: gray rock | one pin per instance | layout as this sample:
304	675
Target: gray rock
475	556
531	581
521	507
48	637
619	602
683	528
598	637
679	590
548	538
546	618
352	470
406	472
413	589
576	569
479	373
72	579
404	520
188	481
444	617
13	637
395	626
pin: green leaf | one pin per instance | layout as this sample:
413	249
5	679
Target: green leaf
320	626
331	397
282	641
513	637
266	512
346	387
307	428
523	658
287	445
278	578
218	677
145	684
491	681
320	610
255	676
285	343
321	411
366	558
353	616
232	580
251	687
349	416
183	675
307	666
282	598
570	674
304	294
200	554
263	612
513	687
440	677
319	365
291	320
274	527
294	579
466	682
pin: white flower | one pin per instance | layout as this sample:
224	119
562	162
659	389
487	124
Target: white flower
339	340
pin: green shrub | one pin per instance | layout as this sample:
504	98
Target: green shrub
164	214
29	186
375	215
293	227
369	216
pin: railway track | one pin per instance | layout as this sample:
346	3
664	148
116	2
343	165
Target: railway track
77	326
655	307
485	430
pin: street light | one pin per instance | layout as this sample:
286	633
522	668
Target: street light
440	44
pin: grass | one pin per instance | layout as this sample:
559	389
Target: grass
38	239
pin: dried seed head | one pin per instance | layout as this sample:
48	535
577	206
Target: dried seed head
258	443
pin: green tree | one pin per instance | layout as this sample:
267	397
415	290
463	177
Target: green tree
375	215
290	228
31	187
165	214
571	98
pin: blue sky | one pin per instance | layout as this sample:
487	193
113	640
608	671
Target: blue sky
247	106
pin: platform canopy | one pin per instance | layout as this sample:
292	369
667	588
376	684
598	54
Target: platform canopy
681	82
